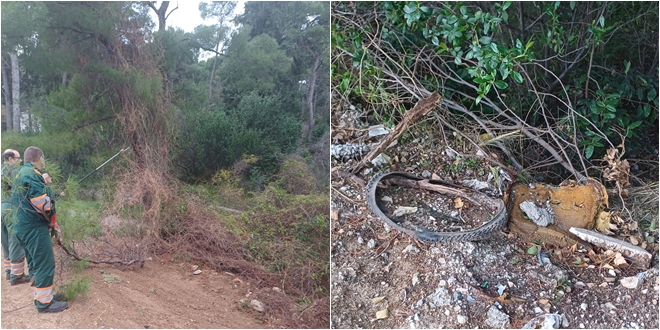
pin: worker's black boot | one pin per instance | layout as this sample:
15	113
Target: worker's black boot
20	280
54	307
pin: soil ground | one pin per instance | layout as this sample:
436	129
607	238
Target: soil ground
492	283
162	294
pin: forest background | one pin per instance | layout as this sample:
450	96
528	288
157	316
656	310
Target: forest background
229	155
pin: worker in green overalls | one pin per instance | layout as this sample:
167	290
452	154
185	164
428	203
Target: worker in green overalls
35	219
12	251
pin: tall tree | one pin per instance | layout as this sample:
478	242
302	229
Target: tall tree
220	10
6	93
161	12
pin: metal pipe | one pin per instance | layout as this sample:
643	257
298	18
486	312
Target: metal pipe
111	158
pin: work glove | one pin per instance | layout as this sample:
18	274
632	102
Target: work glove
55	230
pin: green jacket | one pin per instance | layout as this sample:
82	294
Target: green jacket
9	173
30	184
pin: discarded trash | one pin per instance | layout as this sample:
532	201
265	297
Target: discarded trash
547	321
572	205
403	210
632	252
382	314
377	300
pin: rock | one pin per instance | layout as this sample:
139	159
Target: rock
257	305
411	248
197	272
477	185
547	321
426	174
386	199
403	210
584	306
381	160
496	319
371	244
632	252
440	297
194	267
360	240
541	216
435	177
382	314
276	289
415	279
377	131
630	282
461	319
609	305
349	150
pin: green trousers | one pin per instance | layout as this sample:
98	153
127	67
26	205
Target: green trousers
12	251
41	261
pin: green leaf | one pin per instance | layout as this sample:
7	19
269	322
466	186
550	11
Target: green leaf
507	4
589	151
627	64
652	94
424	9
478	99
504	71
572	4
463	10
409	8
493	46
485	40
517	77
457	60
501	84
601	21
518	44
533	250
577	261
634	125
435	40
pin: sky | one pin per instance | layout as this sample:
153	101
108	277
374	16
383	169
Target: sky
187	16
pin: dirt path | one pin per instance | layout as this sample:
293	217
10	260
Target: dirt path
162	294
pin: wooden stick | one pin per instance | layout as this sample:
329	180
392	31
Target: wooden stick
420	109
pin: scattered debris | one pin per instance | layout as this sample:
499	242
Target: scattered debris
382	314
547	321
630	282
377	300
632	252
403	210
496	319
440	297
381	160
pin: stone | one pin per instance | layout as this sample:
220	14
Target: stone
411	248
461	319
638	255
257	305
630	282
377	131
497	319
547	321
197	272
381	160
371	244
426	174
440	297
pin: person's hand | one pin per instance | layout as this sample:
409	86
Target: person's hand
47	178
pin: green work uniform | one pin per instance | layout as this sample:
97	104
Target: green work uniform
12	251
32	231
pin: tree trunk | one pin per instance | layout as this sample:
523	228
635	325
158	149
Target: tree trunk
310	96
64	79
215	63
16	92
161	12
7	93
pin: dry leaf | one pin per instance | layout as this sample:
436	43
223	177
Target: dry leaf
608	266
458	203
377	300
633	240
382	314
435	177
619	260
543	301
